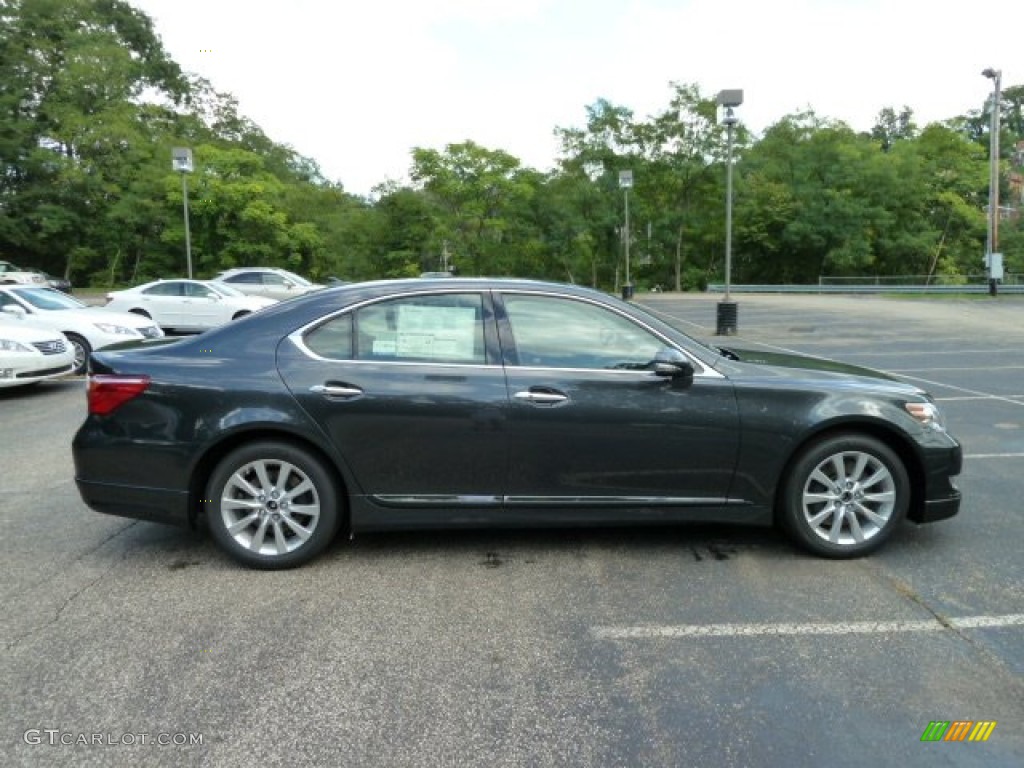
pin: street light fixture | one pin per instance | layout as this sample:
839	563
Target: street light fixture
727	310
993	258
626	183
181	160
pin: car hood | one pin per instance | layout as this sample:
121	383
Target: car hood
26	332
100	315
804	366
251	302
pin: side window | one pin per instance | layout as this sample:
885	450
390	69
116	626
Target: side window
443	328
270	278
164	289
554	332
333	339
197	291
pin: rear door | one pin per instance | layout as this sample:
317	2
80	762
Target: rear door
163	302
412	393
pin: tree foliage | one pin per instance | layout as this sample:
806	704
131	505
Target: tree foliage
91	106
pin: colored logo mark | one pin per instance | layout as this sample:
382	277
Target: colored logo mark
958	730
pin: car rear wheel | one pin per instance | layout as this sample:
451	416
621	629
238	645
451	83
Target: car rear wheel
272	505
82	351
845	495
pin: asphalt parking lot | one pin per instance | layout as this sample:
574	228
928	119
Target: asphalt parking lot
694	645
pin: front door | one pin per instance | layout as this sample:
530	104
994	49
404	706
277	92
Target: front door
593	426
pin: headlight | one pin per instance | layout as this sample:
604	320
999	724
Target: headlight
120	330
10	345
928	414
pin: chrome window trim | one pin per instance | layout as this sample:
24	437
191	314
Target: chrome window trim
295	337
701	370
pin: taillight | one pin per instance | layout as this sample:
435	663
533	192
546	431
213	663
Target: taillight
106	392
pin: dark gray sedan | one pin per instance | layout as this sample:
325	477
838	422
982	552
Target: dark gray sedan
469	402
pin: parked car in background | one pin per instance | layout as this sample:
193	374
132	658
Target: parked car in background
267	281
187	305
29	354
60	283
415	403
86	328
12	275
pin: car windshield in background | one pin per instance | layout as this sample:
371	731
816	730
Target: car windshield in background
297	279
48	298
224	289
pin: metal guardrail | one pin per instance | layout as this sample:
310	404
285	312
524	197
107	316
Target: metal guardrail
971	288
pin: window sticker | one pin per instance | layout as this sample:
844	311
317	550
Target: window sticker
435	332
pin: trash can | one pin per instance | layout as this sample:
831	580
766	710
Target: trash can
627	291
728	314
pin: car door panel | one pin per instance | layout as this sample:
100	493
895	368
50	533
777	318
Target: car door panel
618	435
416	433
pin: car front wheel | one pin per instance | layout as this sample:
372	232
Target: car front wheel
82	350
845	495
272	505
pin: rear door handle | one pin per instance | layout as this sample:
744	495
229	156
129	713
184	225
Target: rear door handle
339	391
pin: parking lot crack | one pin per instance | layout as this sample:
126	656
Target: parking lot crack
59	611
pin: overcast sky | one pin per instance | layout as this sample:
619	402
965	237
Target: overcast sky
357	85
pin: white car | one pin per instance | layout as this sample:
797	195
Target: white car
187	305
29	354
12	275
87	328
267	281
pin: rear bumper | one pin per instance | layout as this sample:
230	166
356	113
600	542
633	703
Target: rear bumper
158	505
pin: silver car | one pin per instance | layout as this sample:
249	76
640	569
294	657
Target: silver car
270	282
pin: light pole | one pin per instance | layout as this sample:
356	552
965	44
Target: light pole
728	312
993	259
181	160
626	183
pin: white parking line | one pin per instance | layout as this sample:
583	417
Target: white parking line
985	395
787	629
972	368
966	398
994	455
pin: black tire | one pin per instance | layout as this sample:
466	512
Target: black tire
82	351
845	495
141	312
290	537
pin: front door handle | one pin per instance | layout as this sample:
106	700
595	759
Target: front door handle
339	391
539	396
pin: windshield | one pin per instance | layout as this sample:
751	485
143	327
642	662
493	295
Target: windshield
297	279
47	298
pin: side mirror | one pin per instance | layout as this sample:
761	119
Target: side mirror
15	311
672	364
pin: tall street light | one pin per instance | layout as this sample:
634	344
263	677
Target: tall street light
727	310
993	259
181	160
626	183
